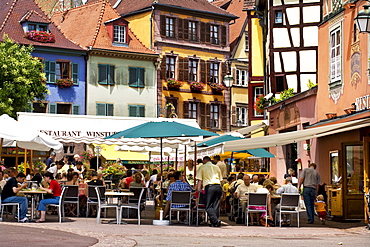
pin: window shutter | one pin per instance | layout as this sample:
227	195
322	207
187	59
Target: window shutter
186	69
180	69
203	70
223	117
52	108
109	110
208	116
203	116
141	111
75	109
111	69
163	26
233	115
180	28
202	32
163	68
46	70
223	35
224	70
132	82
186	29
75	73
185	109
52	77
208	76
141	77
102	74
208	34
100	109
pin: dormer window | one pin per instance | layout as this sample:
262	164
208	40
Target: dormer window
37	27
119	34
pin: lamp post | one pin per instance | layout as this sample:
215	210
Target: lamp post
229	81
363	20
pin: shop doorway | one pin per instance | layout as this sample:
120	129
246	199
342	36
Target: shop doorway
366	172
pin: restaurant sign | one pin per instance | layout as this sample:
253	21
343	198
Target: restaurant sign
362	103
77	133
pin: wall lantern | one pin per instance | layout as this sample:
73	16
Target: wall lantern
363	20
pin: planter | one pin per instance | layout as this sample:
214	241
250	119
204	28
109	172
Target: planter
196	86
174	84
216	87
63	83
40	36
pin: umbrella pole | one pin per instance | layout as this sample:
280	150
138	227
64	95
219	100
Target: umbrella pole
16	157
176	160
25	162
161	193
195	163
1	147
231	159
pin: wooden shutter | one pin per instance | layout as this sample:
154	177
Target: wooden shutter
75	109
223	35
109	109
224	70
233	115
203	116
180	69
203	71
186	29
100	109
208	76
224	117
75	73
186	69
208	116
208	35
141	77
163	26
53	108
141	111
102	74
132	81
202	32
111	69
163	68
180	28
185	109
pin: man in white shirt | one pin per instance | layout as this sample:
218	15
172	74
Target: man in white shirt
55	169
290	189
243	189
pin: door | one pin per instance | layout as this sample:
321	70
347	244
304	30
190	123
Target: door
366	172
353	181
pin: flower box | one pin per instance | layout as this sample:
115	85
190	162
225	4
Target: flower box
62	83
174	84
217	87
196	86
260	104
40	36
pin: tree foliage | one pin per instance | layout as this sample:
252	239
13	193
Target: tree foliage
21	78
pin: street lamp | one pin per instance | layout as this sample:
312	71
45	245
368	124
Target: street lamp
229	81
97	150
363	20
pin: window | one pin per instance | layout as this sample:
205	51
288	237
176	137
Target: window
246	40
193	110
37	27
214	116
335	55
257	92
136	111
106	74
280	84
103	109
119	34
39	107
278	17
214	34
193	31
60	70
59	108
241	77
136	77
170	27
193	69
170	67
241	114
213	72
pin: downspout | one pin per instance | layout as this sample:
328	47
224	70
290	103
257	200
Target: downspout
86	79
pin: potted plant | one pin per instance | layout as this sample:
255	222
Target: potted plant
196	86
174	84
217	87
260	104
40	36
62	83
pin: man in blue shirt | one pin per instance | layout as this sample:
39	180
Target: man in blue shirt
176	186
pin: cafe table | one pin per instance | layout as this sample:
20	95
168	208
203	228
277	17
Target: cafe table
33	194
119	195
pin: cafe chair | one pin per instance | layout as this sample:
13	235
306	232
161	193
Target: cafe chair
289	204
200	208
256	200
135	202
92	197
72	197
181	201
3	204
60	205
102	205
108	184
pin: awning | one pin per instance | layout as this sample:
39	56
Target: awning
295	136
219	139
258	152
109	153
249	129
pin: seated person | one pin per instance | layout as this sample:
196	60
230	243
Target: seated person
137	180
290	189
267	188
275	185
95	179
72	179
243	190
11	188
54	189
178	185
170	179
125	182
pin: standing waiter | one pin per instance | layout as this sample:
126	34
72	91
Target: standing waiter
209	176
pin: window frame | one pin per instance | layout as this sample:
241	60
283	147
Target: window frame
193	31
214	116
137	110
242	115
255	96
110	72
193	70
62	70
106	109
214	73
278	17
241	77
119	34
335	55
170	67
170	27
37	26
136	83
214	34
193	111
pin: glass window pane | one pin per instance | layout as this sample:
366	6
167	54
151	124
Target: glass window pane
354	169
